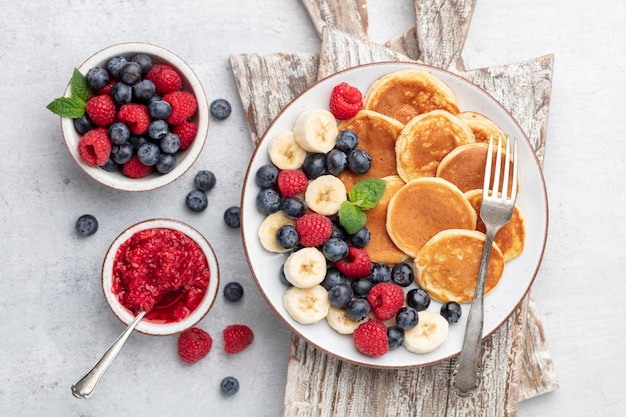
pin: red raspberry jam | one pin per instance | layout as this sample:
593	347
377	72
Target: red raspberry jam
162	271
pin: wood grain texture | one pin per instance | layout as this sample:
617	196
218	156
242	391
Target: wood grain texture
349	16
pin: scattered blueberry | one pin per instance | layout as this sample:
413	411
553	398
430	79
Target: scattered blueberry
204	180
148	153
335	249
402	274
159	109
314	165
144	89
196	200
361	287
266	176
97	78
347	140
138	140
122	93
287	237
110	165
338	230
268	201
359	161
121	154
418	299
395	337
144	61
361	238
381	272
83	124
229	385
220	109
232	217
119	133
451	311
86	225
333	277
358	309
340	295
170	143
336	162
233	291
166	163
158	129
294	207
114	66
131	73
282	276
407	318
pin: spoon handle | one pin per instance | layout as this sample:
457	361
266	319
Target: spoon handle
85	386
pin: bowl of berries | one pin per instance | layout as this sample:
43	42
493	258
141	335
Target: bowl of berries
134	116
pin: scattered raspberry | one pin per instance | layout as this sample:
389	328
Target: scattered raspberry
291	182
385	299
165	78
135	169
94	148
370	338
135	116
101	110
184	105
106	90
313	229
186	132
356	265
193	345
237	337
345	101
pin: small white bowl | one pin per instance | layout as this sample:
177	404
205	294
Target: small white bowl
145	326
185	159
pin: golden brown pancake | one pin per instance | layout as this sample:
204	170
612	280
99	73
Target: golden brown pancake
483	127
381	248
377	135
407	93
510	238
424	207
426	140
464	166
447	266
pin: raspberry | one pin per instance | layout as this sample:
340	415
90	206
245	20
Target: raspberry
135	116
106	90
313	229
385	299
165	78
237	337
291	182
370	338
184	105
101	110
135	169
94	148
356	264
193	345
186	132
345	101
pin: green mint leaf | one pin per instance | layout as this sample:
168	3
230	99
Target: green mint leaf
351	217
79	87
67	107
366	193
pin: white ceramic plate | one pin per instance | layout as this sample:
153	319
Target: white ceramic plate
499	304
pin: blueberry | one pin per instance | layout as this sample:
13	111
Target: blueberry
97	78
158	129
83	124
122	93
294	207
166	163
407	318
336	162
335	249
115	65
266	176
395	336
347	140
170	143
220	109
229	385
148	153
359	161
338	231
121	154
233	291
381	272
131	73
287	237
119	133
333	277
314	165
362	287
340	295
283	278
110	165
451	311
361	238
358	309
143	90
418	299
159	109
144	61
86	225
138	140
204	180
402	274
232	217
268	201
196	200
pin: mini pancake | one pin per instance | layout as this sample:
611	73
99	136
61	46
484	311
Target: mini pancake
426	140
424	207
483	127
510	238
447	266
377	135
407	93
380	247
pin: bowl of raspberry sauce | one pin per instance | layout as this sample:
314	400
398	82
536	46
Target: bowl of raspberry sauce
164	267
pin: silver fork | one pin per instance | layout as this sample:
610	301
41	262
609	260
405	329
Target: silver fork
495	211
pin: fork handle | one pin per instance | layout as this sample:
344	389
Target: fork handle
466	375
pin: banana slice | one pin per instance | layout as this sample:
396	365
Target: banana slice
268	228
305	268
306	305
428	335
339	320
316	130
284	151
325	194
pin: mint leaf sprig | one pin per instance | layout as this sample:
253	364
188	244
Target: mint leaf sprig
74	105
364	195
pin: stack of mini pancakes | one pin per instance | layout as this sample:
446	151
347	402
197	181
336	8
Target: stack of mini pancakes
433	157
